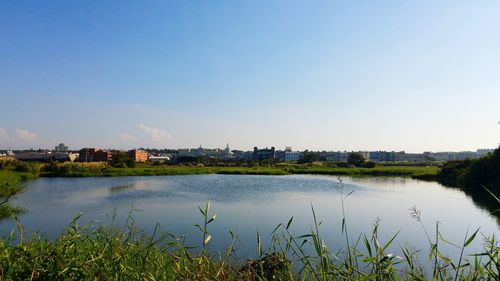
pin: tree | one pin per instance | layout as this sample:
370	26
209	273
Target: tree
121	159
355	159
9	186
309	157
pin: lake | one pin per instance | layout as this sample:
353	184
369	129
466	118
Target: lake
247	203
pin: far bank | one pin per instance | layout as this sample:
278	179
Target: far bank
106	170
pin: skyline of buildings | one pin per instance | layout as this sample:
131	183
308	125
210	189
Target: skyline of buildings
62	147
93	154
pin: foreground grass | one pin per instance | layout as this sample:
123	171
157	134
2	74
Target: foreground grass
124	253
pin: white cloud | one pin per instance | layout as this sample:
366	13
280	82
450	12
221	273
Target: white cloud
126	137
25	135
156	135
3	134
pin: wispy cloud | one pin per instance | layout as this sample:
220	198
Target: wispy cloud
3	134
25	135
156	135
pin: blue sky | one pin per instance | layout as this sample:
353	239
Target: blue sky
323	75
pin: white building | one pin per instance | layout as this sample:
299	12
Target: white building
159	158
410	157
292	156
339	156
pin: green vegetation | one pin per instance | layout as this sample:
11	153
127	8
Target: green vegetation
20	170
479	178
12	173
122	159
355	159
9	186
102	169
408	171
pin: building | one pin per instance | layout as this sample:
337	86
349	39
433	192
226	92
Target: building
201	151
103	156
87	154
138	155
94	155
279	155
338	156
292	156
410	157
61	148
264	154
382	156
159	158
188	152
46	156
7	154
227	151
484	152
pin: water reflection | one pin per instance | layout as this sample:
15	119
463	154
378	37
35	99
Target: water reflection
219	188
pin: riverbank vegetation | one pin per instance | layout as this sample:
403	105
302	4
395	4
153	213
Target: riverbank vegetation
12	173
479	178
116	252
141	169
9	186
101	169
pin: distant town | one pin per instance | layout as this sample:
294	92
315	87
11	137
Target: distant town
62	153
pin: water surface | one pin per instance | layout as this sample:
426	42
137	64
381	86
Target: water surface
245	204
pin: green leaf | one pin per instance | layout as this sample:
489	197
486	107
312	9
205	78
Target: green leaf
289	223
390	241
367	244
471	238
212	219
199	227
202	211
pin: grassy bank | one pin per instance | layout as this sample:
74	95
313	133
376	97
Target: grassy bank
101	169
125	253
408	171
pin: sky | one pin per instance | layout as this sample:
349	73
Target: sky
320	75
